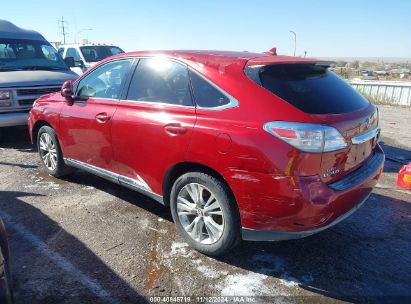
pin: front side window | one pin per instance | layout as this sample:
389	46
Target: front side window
160	80
206	95
23	54
72	52
104	82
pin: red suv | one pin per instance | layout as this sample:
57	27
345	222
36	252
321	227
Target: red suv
239	145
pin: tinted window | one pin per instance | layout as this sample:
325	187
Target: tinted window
99	52
105	81
311	88
160	80
22	54
206	95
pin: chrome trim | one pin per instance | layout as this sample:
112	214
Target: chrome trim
233	102
11	119
365	137
135	184
92	169
248	234
154	103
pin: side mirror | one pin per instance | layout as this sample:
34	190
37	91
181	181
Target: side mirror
70	62
80	64
67	92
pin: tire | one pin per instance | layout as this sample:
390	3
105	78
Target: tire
50	152
9	284
212	225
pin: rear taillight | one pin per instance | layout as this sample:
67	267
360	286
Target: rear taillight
307	137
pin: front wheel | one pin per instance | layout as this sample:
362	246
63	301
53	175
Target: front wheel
205	213
50	152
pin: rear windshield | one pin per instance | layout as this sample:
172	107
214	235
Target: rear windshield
311	88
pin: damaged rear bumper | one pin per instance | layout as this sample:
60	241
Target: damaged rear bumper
248	234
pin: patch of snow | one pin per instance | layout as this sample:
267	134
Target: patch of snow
289	281
44	185
250	284
210	272
268	268
179	248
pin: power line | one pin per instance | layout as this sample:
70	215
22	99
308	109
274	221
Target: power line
62	26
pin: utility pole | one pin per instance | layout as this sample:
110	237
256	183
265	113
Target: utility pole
295	41
62	26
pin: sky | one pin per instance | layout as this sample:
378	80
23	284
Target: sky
324	28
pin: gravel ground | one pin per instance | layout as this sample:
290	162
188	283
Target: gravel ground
82	239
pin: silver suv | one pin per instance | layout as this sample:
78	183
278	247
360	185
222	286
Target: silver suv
29	67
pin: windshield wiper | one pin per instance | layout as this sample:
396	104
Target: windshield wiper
44	68
10	69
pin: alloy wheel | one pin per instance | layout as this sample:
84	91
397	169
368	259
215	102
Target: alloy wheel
200	213
48	151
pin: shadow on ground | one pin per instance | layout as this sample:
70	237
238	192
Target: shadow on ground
16	138
47	243
395	157
365	258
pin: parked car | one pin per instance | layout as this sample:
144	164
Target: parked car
239	145
6	282
29	67
82	56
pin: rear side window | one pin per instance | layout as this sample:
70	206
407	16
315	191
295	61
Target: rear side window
309	87
206	95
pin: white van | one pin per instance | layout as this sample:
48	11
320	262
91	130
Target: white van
82	56
29	67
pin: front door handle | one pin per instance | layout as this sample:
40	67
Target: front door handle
102	117
175	129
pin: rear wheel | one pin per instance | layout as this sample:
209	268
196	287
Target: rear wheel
50	152
205	213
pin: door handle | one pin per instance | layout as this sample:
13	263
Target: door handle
175	129
102	117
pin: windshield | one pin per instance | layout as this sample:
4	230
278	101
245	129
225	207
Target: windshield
22	54
99	52
311	88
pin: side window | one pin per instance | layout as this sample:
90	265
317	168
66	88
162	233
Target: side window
105	81
160	80
206	95
71	52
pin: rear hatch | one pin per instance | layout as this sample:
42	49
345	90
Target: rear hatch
314	89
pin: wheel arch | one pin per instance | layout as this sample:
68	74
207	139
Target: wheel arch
184	167
36	128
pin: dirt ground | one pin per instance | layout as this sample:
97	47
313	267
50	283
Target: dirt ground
82	239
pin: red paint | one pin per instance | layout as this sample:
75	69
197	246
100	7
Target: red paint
275	186
404	177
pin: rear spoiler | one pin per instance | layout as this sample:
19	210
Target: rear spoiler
275	59
253	68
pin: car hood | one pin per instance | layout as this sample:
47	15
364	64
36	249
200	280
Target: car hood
34	78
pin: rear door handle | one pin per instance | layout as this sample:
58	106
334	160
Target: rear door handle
175	129
102	117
